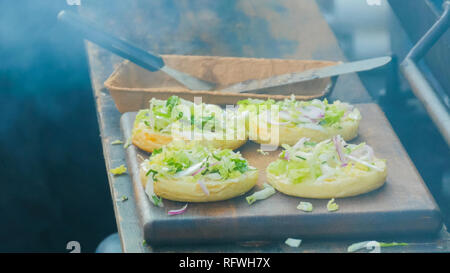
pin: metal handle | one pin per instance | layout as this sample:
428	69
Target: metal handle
438	111
124	49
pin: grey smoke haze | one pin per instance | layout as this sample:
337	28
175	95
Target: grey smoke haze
50	154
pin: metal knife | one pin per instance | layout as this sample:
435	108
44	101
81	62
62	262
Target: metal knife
264	85
145	59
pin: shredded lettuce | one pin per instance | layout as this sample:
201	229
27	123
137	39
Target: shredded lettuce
372	245
261	195
361	245
262	152
333	114
142	115
316	162
332	206
172	102
255	105
149	190
293	242
296	170
119	170
305	206
193	160
116	142
314	114
392	244
181	117
127	143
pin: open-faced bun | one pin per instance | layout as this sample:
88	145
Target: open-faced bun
290	134
176	118
285	122
329	169
190	172
185	190
340	187
148	140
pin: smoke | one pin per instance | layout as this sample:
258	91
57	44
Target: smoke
50	154
51	168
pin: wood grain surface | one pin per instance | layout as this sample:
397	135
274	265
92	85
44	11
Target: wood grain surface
402	206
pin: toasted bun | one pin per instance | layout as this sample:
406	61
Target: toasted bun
148	140
181	189
340	187
290	134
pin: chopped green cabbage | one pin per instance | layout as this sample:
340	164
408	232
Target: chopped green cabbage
310	161
181	116
332	206
299	113
193	160
255	105
392	244
119	170
369	244
293	242
116	142
261	195
127	143
305	206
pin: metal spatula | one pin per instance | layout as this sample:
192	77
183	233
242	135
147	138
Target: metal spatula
154	62
130	52
268	84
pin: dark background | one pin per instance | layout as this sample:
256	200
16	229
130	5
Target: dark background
54	186
53	180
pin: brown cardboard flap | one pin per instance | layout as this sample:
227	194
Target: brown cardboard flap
132	86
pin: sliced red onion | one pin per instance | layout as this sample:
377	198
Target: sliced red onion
364	163
312	112
199	171
338	144
286	155
177	211
203	186
363	152
192	169
300	143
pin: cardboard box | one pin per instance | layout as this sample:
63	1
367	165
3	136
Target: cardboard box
132	86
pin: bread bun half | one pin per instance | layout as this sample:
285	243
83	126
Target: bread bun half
191	172
329	169
148	140
176	118
185	190
285	122
290	134
339	187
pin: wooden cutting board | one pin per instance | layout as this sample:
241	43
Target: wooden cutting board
401	207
